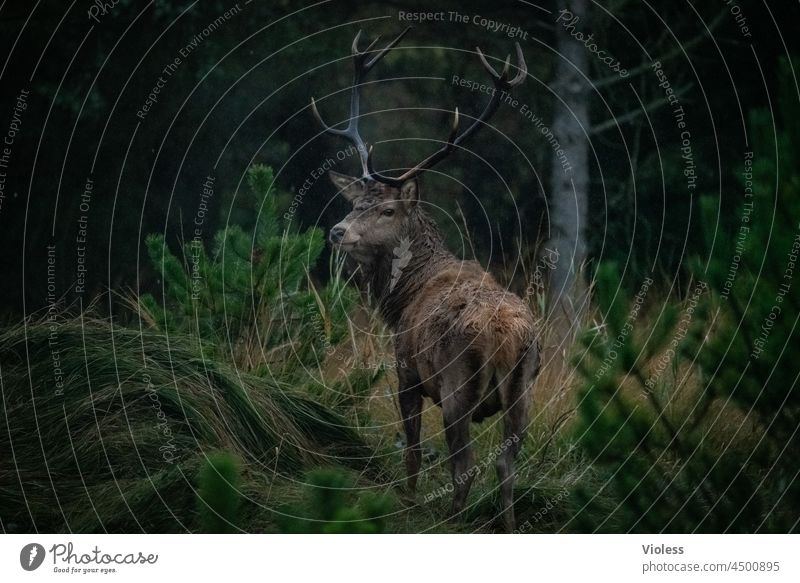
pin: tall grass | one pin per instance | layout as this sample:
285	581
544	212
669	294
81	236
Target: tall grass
118	446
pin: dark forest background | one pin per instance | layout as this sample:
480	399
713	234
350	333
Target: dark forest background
241	96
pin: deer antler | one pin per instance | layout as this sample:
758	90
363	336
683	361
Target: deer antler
501	82
362	65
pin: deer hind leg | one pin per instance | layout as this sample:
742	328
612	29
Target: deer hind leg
515	400
459	403
456	428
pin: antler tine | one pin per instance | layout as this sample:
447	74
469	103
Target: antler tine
454	128
506	65
501	79
325	126
502	84
354	46
358	52
486	64
522	67
385	49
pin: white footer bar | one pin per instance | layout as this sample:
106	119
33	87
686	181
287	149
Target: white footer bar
400	558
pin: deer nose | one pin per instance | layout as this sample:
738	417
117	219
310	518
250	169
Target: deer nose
337	233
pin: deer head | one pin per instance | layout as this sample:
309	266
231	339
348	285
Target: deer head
383	205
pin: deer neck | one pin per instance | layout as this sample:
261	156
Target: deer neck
399	274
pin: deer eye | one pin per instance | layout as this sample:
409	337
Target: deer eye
387	212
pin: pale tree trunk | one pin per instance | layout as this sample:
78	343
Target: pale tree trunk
565	241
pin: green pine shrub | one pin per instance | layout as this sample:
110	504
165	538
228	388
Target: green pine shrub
332	507
250	299
721	456
218	493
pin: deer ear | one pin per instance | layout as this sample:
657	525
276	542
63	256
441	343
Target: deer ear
350	186
409	191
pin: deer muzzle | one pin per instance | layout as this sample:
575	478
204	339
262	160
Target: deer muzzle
337	234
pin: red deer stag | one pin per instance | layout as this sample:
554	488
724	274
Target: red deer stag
465	342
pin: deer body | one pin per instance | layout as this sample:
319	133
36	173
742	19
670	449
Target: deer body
466	343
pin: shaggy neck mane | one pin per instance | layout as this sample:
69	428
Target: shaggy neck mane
398	273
